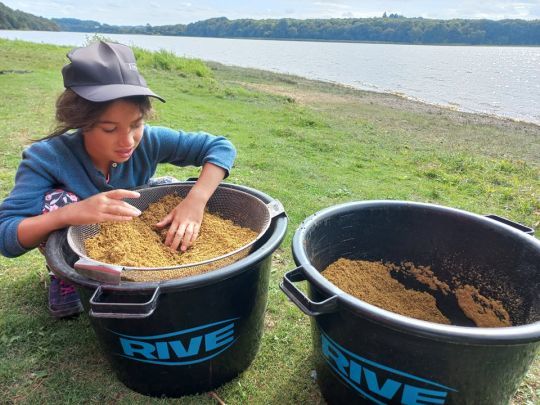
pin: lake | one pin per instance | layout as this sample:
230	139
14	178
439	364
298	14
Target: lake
503	81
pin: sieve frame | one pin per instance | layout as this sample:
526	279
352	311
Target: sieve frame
76	234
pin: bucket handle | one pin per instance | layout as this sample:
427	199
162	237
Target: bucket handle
122	310
307	306
516	225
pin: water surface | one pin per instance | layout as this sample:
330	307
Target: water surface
503	81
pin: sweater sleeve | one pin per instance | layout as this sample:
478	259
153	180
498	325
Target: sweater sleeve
35	176
192	148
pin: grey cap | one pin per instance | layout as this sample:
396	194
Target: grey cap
104	71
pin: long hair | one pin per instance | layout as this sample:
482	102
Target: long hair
75	112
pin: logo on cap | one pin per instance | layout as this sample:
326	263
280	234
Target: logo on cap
132	66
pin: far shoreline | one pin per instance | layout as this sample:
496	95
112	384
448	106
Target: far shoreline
338	41
352	41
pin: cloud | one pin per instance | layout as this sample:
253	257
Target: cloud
331	5
491	10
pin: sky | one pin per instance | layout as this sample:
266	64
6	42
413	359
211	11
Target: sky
163	12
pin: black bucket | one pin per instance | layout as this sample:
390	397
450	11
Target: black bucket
183	336
367	354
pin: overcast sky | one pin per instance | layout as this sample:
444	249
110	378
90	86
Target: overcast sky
156	12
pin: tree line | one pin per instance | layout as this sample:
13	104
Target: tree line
388	28
391	28
17	20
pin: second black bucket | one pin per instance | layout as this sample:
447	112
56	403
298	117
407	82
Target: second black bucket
365	354
182	336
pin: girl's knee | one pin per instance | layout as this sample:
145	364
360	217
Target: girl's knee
57	198
53	200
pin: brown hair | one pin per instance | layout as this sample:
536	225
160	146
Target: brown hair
74	112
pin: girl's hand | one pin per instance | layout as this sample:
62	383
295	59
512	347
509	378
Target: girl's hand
107	206
101	207
185	221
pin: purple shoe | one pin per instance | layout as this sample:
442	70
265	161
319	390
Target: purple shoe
64	300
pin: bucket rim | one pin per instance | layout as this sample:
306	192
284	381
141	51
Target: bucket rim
277	230
471	335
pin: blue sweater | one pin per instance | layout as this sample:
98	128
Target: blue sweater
62	162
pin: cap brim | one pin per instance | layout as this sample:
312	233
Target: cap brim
112	92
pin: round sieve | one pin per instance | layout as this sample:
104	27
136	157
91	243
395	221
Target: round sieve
243	209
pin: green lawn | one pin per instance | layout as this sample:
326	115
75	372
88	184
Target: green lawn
310	145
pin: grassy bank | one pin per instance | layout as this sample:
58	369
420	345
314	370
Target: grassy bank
308	144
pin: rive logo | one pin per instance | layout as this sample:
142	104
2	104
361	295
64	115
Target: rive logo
184	347
381	384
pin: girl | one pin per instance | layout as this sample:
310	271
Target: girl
81	176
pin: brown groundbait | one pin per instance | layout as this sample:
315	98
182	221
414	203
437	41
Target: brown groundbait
373	282
137	243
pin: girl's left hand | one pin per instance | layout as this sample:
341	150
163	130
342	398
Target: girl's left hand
185	221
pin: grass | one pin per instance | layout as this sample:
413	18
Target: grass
166	60
308	144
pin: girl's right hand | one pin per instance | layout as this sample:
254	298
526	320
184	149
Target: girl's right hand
107	206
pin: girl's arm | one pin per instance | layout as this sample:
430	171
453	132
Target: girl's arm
101	207
181	148
185	220
215	154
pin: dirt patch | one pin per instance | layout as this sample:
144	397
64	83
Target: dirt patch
11	71
373	282
137	243
300	96
308	92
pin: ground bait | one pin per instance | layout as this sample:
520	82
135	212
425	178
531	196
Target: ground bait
373	282
481	310
137	243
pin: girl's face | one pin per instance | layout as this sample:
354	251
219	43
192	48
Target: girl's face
116	134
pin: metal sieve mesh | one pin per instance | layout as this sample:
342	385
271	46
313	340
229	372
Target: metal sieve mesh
242	208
